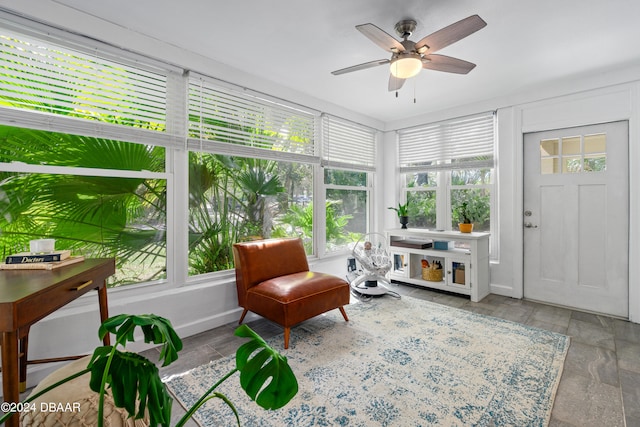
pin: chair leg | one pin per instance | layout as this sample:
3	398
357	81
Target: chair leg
244	313
344	314
287	333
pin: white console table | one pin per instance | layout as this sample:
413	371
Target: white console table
464	261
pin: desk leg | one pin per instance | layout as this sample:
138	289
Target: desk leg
104	310
22	358
10	372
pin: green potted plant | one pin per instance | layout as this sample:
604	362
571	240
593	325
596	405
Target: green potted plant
403	213
135	382
466	224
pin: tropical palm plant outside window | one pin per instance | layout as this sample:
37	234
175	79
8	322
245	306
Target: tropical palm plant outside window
251	162
231	199
235	199
101	215
347	207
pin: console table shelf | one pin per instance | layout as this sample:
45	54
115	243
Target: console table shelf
464	260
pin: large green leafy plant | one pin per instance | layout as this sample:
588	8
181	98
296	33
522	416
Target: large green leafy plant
135	384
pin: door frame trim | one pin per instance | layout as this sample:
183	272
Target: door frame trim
592	112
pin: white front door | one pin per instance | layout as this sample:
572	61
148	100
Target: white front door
576	217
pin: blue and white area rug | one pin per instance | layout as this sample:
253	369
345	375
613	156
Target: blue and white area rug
402	362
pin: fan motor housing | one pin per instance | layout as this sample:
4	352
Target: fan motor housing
405	28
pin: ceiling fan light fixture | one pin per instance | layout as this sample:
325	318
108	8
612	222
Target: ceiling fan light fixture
406	66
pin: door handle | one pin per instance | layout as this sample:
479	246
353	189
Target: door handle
529	225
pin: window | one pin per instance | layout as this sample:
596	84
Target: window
472	186
347	207
444	165
83	154
421	192
251	164
95	143
574	154
348	159
97	197
235	199
82	91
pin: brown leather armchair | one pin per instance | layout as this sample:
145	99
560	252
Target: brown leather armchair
274	281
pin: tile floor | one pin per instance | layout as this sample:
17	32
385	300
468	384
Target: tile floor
600	384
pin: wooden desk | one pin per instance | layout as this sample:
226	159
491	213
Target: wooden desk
26	296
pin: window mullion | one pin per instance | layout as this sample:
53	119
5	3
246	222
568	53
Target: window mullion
443	200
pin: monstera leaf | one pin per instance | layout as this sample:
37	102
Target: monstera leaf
135	383
132	378
156	329
258	364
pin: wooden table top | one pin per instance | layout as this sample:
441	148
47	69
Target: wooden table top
16	285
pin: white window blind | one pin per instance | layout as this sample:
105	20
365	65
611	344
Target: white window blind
347	145
233	122
459	143
43	77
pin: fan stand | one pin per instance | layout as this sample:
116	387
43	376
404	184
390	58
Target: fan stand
369	285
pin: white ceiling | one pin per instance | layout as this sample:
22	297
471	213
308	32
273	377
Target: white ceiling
295	44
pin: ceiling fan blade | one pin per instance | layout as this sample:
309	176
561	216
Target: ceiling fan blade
451	34
361	66
395	83
380	38
447	64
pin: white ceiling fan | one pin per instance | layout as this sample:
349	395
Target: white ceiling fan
408	57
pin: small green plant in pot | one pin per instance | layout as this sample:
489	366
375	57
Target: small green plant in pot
466	224
403	213
134	381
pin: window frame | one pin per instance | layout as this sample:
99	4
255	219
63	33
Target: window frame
445	142
368	189
177	142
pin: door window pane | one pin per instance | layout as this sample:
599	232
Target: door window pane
549	156
595	163
595	143
571	146
549	166
584	153
571	164
549	147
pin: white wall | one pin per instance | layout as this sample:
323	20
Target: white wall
610	102
211	302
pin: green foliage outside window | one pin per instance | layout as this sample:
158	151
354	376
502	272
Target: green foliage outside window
94	216
477	204
230	199
422	189
106	215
